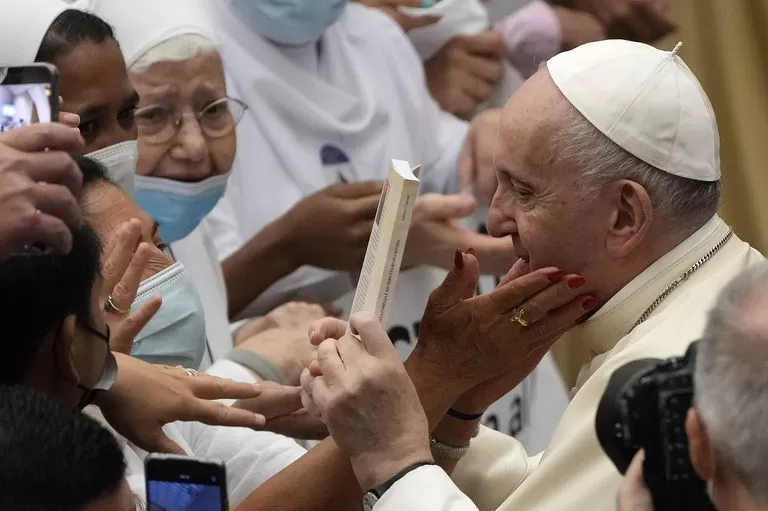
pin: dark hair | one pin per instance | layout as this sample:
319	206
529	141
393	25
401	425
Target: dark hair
93	171
39	290
70	28
54	458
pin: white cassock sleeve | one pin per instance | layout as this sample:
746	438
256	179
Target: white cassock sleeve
251	457
223	225
425	489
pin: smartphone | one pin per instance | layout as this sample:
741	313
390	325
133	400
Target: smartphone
181	483
28	94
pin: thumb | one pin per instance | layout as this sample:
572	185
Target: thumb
161	443
460	283
373	336
434	206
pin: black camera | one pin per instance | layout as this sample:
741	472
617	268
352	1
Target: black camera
644	407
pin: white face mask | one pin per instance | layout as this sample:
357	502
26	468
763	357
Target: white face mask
120	162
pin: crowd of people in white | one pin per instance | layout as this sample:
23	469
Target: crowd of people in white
179	252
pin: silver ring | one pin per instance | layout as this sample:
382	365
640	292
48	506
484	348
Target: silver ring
110	306
191	372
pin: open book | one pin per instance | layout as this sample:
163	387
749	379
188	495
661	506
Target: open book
376	285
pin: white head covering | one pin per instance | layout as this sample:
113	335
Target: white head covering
140	25
645	100
23	26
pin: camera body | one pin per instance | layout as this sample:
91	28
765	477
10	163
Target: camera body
645	407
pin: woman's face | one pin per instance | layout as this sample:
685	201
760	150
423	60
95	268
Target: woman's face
95	85
107	207
171	88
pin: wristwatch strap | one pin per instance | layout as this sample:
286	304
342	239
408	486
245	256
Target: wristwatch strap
263	368
381	489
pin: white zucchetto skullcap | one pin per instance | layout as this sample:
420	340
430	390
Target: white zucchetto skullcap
23	26
645	100
140	25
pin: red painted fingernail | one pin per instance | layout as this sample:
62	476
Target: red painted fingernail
576	282
589	304
458	259
557	276
471	251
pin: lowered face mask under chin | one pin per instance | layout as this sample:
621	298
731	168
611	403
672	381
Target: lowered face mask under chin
175	336
120	163
178	207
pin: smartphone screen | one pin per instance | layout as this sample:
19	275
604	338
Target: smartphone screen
27	95
185	484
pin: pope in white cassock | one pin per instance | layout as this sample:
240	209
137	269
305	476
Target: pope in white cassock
609	169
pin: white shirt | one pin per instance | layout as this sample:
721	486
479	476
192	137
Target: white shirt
363	93
251	457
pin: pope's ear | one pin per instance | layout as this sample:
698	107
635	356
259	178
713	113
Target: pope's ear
631	218
66	349
699	446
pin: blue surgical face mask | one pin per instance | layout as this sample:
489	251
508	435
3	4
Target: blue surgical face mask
178	207
175	336
290	22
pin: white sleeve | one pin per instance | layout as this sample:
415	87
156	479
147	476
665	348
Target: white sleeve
251	457
425	489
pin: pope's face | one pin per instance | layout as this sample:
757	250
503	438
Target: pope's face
537	201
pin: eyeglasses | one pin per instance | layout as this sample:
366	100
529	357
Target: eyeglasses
159	124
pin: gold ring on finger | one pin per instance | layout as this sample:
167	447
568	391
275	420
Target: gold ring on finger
110	306
518	316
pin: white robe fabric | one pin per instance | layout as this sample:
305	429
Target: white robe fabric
251	457
363	95
573	473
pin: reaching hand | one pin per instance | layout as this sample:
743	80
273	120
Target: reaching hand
645	21
289	349
39	184
466	340
122	270
282	408
477	167
436	233
147	397
464	73
406	22
330	229
368	402
291	315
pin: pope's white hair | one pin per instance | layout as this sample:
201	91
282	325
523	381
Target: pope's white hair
731	379
677	201
175	49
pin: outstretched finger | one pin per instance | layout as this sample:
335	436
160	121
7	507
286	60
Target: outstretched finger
460	283
133	324
214	413
124	292
507	297
326	328
275	401
121	246
212	387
